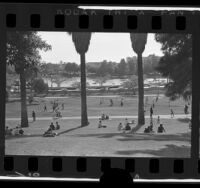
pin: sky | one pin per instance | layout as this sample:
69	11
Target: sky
103	46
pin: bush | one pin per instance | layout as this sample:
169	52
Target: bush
40	86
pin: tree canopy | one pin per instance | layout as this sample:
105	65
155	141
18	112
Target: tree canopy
176	64
23	49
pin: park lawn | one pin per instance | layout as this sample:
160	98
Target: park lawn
92	141
72	107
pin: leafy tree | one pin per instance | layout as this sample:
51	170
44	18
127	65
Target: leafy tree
71	69
103	69
23	53
131	84
58	79
176	64
81	42
138	42
40	86
122	68
132	67
102	80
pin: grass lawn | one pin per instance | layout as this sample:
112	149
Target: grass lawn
73	140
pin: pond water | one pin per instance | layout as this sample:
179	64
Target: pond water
69	82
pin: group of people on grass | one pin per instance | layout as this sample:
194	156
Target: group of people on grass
17	131
55	107
126	126
160	129
52	127
112	102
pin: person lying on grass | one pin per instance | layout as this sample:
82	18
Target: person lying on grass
49	133
100	125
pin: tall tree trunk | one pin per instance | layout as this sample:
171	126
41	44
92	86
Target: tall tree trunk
141	120
24	115
84	117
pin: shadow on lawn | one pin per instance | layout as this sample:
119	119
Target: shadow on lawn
41	135
140	136
184	120
72	129
169	151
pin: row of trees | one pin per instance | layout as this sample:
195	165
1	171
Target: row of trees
126	66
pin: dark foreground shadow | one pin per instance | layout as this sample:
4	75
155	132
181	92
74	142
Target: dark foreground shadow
169	151
116	177
69	130
140	136
184	120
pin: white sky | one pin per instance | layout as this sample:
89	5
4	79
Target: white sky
103	46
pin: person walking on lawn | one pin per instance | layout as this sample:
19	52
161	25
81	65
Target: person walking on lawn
33	115
151	112
122	102
45	108
172	113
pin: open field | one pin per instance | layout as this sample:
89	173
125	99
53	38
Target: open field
73	140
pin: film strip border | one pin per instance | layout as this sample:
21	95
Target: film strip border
133	22
70	18
94	167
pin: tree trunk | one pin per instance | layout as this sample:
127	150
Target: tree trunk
84	117
24	115
141	120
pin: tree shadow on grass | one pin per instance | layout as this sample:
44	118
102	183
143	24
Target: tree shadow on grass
72	129
169	151
140	136
184	120
41	135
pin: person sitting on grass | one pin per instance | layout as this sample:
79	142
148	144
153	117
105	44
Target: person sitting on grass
151	128
147	130
8	131
100	125
126	122
161	129
21	131
120	126
127	127
49	133
16	131
57	126
52	127
104	117
58	113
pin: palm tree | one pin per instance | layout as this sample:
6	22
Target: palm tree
81	42
138	44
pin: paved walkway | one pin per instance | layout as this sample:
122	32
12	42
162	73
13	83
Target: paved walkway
177	116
